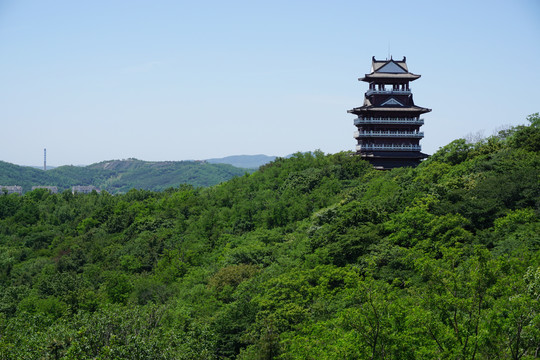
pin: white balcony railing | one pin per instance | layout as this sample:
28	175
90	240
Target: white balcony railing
400	134
388	92
388	147
388	120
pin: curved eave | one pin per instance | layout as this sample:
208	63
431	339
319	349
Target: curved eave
366	109
389	76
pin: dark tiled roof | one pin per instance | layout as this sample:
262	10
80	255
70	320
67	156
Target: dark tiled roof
368	108
376	75
389	69
377	64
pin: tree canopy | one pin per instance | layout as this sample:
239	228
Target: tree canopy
314	256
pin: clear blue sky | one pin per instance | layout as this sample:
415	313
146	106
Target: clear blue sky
175	80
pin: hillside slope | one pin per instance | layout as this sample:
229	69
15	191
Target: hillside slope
121	175
316	256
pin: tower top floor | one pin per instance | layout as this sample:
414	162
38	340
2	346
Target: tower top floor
389	72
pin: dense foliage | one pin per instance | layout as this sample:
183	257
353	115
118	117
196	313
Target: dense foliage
120	176
316	256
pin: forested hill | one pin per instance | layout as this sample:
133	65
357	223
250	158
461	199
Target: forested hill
312	257
121	175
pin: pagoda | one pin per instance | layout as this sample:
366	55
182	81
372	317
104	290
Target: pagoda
388	123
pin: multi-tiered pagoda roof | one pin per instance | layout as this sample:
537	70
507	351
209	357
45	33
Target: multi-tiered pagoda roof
388	122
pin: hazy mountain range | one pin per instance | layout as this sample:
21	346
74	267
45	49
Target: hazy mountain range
241	161
244	161
118	176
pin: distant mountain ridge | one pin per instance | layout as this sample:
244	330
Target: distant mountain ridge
118	176
244	161
240	161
